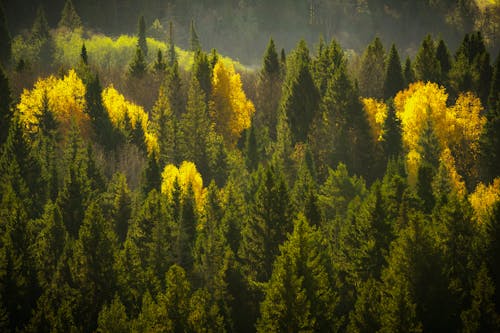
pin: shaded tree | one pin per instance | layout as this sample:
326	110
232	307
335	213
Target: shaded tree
393	79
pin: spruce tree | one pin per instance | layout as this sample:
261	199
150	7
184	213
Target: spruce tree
268	90
69	17
427	66
393	79
203	72
164	126
151	176
300	295
444	58
492	251
392	135
5	39
300	97
137	67
195	128
371	75
408	72
121	205
40	29
194	41
171	54
159	66
113	318
251	149
141	36
494	94
83	55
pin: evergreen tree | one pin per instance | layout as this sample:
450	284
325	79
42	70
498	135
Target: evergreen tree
492	248
171	54
485	75
444	58
251	149
195	128
173	305
371	74
300	294
300	97
40	29
194	41
5	39
268	90
392	136
151	177
113	318
481	316
92	265
164	126
5	104
69	17
204	315
267	228
137	67
365	316
393	79
427	67
121	205
494	95
408	71
159	66
141	36
83	55
186	230
203	72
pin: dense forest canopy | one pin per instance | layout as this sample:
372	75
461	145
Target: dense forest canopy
241	28
348	180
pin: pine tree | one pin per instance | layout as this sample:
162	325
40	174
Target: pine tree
268	90
5	104
492	248
5	39
444	58
151	177
141	36
300	97
482	316
494	95
203	72
83	55
159	66
371	74
40	30
121	205
204	313
113	318
408	72
92	265
164	126
186	230
194	41
195	128
251	150
427	67
137	68
171	54
393	79
267	228
300	295
392	136
69	17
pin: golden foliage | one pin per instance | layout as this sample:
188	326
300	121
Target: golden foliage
483	199
457	127
117	107
230	109
66	99
186	175
376	112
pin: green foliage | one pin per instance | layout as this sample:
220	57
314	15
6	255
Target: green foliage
409	72
371	74
300	98
113	318
5	104
427	66
194	41
137	67
141	36
393	79
69	17
300	294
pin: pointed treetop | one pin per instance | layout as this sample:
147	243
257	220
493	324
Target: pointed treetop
69	17
393	81
83	55
141	35
271	63
194	40
5	38
40	29
171	55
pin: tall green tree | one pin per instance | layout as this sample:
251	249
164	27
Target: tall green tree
137	67
195	128
113	318
300	97
141	36
392	135
492	247
393	79
268	90
194	40
40	29
427	66
164	126
270	221
92	265
69	17
408	71
371	73
444	58
300	295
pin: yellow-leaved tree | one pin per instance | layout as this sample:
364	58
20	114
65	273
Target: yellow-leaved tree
66	100
186	175
456	128
483	199
229	107
119	109
376	112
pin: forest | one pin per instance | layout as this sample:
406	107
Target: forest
152	181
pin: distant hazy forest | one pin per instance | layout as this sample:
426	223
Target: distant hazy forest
241	28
